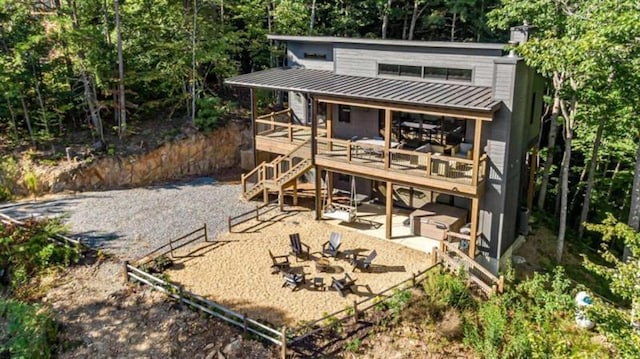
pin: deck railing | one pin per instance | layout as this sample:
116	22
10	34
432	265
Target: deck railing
280	125
432	165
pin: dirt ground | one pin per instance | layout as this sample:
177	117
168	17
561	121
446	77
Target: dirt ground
104	318
236	271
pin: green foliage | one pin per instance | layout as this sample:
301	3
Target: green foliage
353	345
29	330
445	291
533	320
27	251
211	111
31	181
8	174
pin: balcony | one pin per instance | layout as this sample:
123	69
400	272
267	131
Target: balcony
439	171
279	132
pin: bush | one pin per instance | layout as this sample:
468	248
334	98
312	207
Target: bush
211	111
25	251
8	177
28	331
445	291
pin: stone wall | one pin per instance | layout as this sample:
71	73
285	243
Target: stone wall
196	155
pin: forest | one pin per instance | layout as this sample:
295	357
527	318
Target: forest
101	67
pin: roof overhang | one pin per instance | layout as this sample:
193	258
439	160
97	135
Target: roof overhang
456	100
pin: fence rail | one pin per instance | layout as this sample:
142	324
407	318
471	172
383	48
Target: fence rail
252	214
173	244
219	311
358	307
57	238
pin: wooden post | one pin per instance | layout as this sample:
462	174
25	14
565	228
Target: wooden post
126	272
474	227
413	279
533	164
295	192
355	312
428	165
387	138
283	338
389	210
229	224
244	325
314	129
318	190
501	284
329	187
281	198
329	125
254	115
265	195
477	137
349	151
434	256
206	237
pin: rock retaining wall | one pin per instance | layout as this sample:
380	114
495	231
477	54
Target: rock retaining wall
198	154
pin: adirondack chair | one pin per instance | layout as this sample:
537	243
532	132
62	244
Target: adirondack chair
293	280
363	263
298	249
280	263
343	285
330	247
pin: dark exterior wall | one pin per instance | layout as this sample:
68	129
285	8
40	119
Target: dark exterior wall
360	60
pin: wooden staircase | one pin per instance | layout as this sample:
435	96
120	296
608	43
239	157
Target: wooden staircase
277	174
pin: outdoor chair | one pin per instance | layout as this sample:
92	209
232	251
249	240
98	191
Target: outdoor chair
298	249
330	248
280	263
363	263
293	280
343	285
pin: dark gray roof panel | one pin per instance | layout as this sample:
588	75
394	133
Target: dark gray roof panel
320	82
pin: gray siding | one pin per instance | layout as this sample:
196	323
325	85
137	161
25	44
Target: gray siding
364	123
298	103
363	61
296	51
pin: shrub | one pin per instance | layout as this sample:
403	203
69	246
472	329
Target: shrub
8	177
29	332
210	113
25	251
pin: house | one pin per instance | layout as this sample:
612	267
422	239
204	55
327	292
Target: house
439	127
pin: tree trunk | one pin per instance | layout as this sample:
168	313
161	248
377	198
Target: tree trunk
385	18
43	111
405	22
414	19
122	118
27	119
591	177
613	177
193	61
312	20
14	123
634	208
564	178
553	133
581	184
453	26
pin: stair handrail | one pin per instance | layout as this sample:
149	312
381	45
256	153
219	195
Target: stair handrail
244	177
498	282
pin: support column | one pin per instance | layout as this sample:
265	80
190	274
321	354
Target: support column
329	124
389	211
295	192
329	187
474	227
281	199
318	190
254	115
314	128
477	137
387	138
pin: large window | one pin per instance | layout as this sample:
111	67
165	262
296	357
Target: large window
427	72
399	70
315	56
441	73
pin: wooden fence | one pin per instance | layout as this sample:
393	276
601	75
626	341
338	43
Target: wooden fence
252	214
173	244
357	309
56	238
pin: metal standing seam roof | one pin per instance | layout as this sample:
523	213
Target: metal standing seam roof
435	94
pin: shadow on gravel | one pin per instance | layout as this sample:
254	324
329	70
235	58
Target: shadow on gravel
98	240
196	182
46	208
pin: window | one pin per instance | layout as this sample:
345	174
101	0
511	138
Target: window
386	69
344	113
411	71
315	56
427	72
442	73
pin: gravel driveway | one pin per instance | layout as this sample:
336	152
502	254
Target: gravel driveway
131	222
